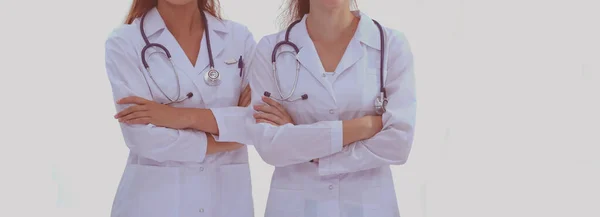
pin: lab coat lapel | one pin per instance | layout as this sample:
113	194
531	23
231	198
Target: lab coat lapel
308	56
182	64
180	60
354	52
154	24
366	33
217	44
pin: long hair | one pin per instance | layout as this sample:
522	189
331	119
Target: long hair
296	9
140	7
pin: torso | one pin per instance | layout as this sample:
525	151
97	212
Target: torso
345	87
172	187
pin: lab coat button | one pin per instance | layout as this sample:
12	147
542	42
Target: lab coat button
201	169
331	111
330	187
201	210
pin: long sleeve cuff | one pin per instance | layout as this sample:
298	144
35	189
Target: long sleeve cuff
231	122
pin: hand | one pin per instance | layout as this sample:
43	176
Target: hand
245	97
372	125
148	112
272	113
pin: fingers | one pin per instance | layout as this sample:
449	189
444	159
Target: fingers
144	120
131	109
266	121
134	115
268	109
244	101
269	117
245	97
248	94
272	114
133	100
247	89
273	103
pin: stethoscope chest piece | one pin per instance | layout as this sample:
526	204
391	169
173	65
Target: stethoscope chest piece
380	104
212	77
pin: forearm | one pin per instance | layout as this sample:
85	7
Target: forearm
353	131
165	144
202	120
389	147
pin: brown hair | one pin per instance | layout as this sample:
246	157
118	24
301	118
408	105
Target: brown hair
296	9
140	7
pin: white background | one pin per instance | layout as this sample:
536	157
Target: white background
507	121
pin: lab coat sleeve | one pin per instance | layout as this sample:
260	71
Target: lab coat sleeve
287	144
230	120
156	143
392	145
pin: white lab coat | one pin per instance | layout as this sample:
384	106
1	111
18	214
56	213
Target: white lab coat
168	172
354	181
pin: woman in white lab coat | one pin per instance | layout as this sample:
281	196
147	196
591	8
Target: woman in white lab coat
332	153
177	166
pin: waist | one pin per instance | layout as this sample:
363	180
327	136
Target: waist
306	176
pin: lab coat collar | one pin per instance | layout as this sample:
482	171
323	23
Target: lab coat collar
154	24
308	56
367	32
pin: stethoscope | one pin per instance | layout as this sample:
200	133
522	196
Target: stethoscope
380	102
212	77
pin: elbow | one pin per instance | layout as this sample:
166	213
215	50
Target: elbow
271	155
399	154
401	160
401	149
144	144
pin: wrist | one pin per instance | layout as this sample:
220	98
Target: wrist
354	130
201	120
188	116
364	126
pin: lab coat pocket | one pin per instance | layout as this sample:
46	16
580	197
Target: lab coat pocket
227	92
230	88
156	190
285	203
236	191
